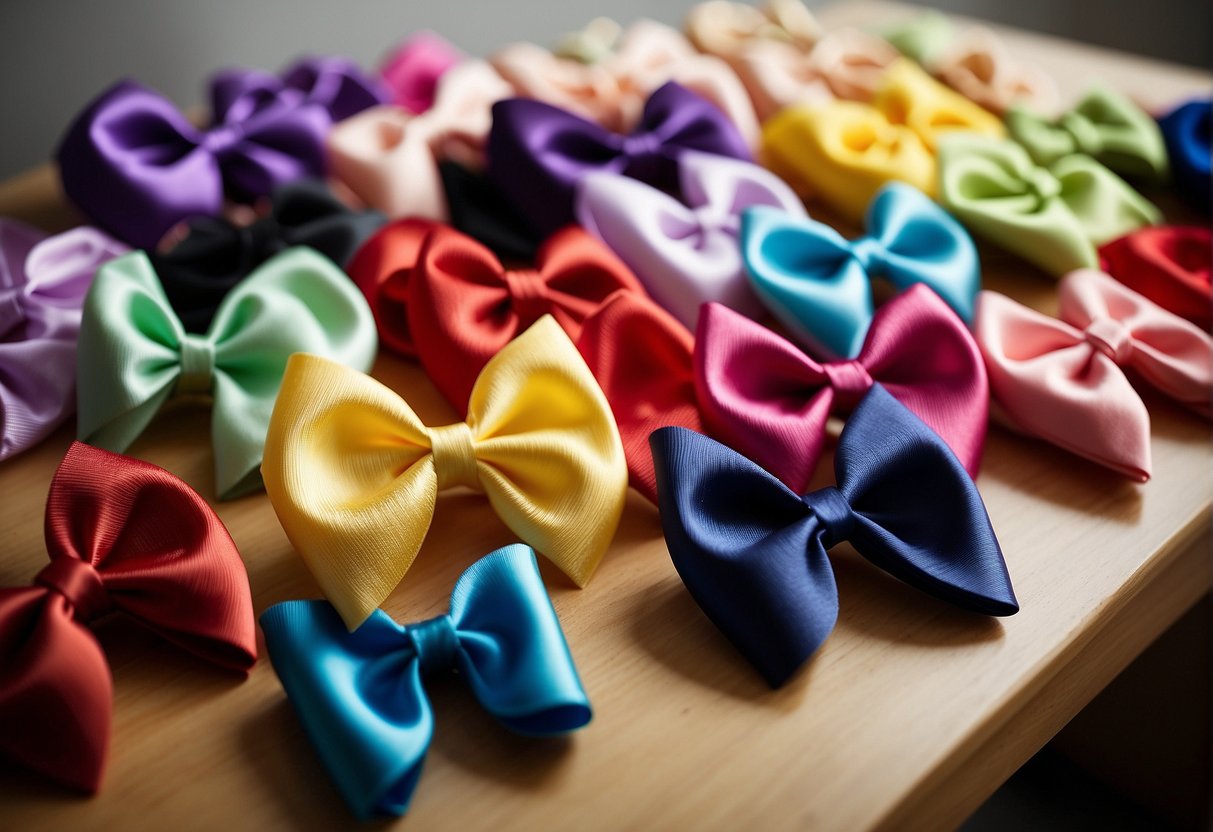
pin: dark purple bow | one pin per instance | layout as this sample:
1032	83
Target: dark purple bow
336	84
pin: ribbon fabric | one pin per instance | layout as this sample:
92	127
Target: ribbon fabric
479	209
354	475
979	66
1187	131
336	84
728	30
127	537
818	284
591	43
413	69
361	695
1171	265
752	552
921	38
43	281
135	354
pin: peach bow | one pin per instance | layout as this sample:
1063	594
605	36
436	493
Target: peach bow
726	29
980	67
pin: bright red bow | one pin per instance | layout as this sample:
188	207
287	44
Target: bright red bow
1170	265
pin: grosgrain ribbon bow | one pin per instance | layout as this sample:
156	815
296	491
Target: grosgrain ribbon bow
1065	380
819	284
354	475
1053	217
1187	131
43	281
537	152
726	29
685	255
413	69
752	552
336	84
123	536
1171	265
135	354
361	695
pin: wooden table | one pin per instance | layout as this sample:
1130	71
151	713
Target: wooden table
911	714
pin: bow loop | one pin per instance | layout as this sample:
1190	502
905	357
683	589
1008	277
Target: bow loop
413	70
80	584
1170	265
1186	131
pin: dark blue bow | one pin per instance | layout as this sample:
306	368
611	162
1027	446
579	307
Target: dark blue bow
1186	130
360	695
753	553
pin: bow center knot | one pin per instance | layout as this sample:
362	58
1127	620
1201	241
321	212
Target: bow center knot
834	513
80	583
222	139
642	146
1086	135
436	644
712	220
850	381
197	364
869	253
454	454
1043	185
1111	337
528	294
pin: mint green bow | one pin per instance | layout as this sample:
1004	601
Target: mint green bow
1054	217
921	38
134	354
1105	125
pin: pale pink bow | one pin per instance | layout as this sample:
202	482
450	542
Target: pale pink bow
979	67
726	29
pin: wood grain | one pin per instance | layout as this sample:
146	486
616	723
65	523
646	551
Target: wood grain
912	713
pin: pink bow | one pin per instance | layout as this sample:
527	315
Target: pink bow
413	69
1069	381
979	67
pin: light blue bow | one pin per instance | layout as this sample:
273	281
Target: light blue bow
819	284
360	695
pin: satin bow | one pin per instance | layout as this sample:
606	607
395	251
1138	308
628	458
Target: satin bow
1187	131
123	536
1053	217
354	475
361	695
216	253
726	29
135	354
1104	125
389	158
981	68
480	210
752	552
42	286
336	84
819	284
137	166
414	68
1065	380
1170	265
685	255
537	152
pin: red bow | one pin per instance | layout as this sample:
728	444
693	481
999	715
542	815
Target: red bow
123	536
1170	265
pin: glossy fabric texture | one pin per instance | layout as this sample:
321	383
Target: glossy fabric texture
336	84
1104	125
761	395
43	281
216	253
135	353
412	71
1053	217
728	30
361	695
354	475
1187	131
383	270
127	538
1171	265
537	152
818	284
1070	381
752	552
685	253
979	66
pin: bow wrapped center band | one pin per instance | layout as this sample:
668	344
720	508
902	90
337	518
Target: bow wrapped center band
81	586
1111	337
454	456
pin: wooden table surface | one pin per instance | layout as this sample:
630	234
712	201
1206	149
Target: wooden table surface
911	714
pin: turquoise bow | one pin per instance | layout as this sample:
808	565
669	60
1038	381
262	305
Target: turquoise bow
361	697
819	284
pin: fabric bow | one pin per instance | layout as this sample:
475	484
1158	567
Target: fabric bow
361	695
137	166
752	552
480	210
336	84
1187	131
389	158
537	152
921	38
1104	125
591	43
135	354
726	29
1170	265
354	475
1053	217
981	68
1065	380
685	255
43	282
413	69
819	284
216	253
123	536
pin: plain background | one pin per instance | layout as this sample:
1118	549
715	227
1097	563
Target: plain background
55	55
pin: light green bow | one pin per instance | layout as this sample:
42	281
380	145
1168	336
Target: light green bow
134	353
1105	125
921	38
1054	217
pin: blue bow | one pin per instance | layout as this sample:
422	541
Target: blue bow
1186	132
360	695
819	284
753	553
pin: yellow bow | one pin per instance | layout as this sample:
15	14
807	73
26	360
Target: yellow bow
354	475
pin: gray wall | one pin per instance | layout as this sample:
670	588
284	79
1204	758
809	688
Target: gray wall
57	54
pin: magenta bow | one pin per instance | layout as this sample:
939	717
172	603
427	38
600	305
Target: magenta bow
414	68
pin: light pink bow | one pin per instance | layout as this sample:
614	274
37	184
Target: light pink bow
726	29
1070	381
414	67
979	67
389	158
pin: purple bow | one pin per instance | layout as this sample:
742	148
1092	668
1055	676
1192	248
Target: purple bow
43	282
537	152
336	84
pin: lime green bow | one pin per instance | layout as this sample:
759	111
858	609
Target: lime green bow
921	38
1105	125
134	353
1052	216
